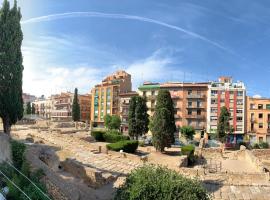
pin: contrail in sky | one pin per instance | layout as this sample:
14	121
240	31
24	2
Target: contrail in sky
123	16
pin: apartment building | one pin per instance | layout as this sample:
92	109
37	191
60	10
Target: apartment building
28	98
190	103
105	96
231	94
62	106
150	91
124	109
85	106
258	119
43	107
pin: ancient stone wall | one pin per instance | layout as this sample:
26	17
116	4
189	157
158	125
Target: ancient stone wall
57	188
262	154
211	153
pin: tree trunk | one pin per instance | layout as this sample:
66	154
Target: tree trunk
6	126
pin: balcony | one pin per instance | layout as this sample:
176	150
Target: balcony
196	107
195	96
195	117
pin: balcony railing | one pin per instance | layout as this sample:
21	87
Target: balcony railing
195	96
195	117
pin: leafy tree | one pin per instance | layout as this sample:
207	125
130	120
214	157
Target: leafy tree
11	68
107	121
138	118
115	122
188	132
28	108
163	124
160	183
76	112
112	122
223	124
33	109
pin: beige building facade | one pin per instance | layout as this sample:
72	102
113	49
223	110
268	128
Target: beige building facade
258	119
105	96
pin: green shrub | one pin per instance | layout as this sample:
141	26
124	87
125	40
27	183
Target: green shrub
111	138
17	150
141	143
115	132
264	145
159	183
256	146
98	135
128	146
189	151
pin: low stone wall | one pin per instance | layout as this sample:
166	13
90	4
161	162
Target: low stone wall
226	178
210	153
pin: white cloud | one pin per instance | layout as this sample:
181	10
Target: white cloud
257	96
45	73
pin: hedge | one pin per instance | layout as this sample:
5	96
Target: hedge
128	146
98	135
111	138
160	183
189	151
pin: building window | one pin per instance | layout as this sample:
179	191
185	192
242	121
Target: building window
189	112
239	102
252	106
239	111
213	101
144	93
189	104
199	104
260	106
189	92
260	115
268	106
239	93
213	110
214	92
239	119
213	118
222	100
199	112
252	126
260	125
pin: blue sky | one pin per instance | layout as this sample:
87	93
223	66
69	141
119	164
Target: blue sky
76	43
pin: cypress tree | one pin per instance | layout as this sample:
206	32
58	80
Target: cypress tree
163	122
28	108
76	112
132	129
223	124
11	68
138	119
33	109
